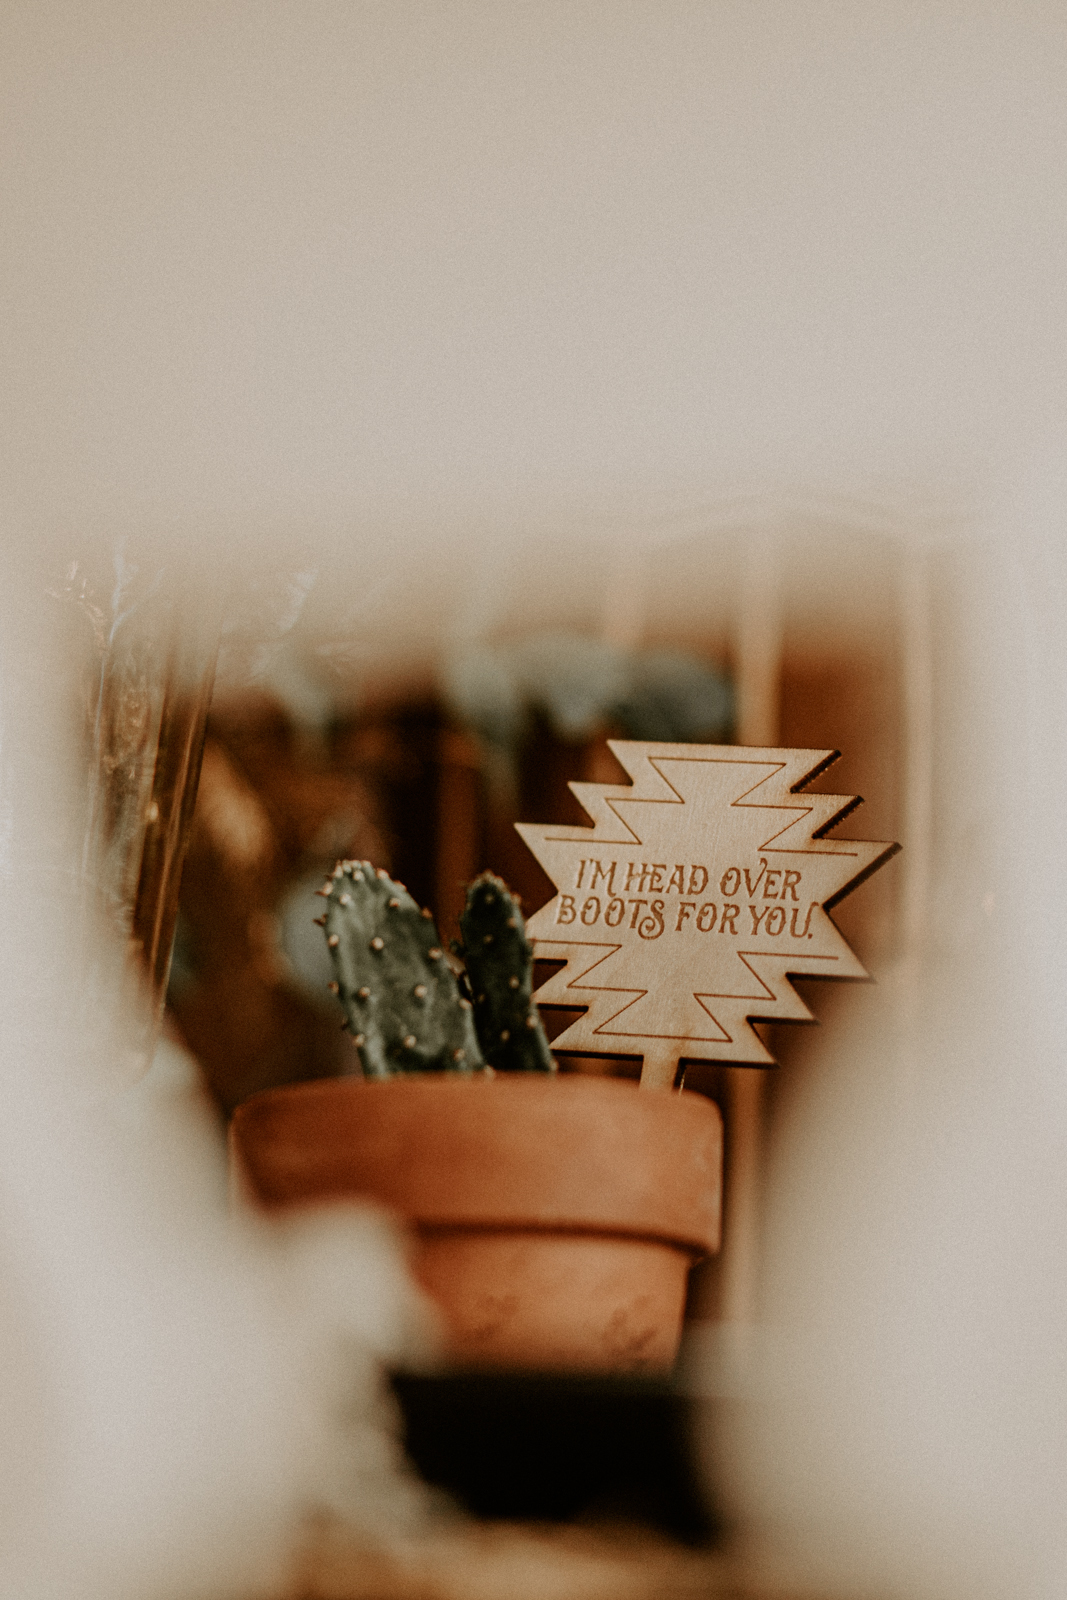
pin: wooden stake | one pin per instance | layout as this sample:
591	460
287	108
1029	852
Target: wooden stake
659	1066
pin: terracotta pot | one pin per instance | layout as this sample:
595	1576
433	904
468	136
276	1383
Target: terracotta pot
555	1219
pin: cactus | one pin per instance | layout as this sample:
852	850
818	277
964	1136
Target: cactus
499	963
402	1003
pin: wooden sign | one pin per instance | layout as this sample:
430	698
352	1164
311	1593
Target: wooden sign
697	892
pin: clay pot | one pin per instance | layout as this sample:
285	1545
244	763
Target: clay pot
555	1219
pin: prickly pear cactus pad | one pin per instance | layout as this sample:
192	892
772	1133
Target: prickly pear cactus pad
401	1000
499	962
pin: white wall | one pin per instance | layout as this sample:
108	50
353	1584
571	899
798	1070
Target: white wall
343	267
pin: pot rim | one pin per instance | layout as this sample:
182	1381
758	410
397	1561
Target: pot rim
571	1154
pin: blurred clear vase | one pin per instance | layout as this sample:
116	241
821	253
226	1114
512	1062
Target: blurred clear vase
147	649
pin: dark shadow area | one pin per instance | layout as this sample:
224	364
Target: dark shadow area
548	1447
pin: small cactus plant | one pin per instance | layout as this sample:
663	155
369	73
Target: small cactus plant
499	972
401	1000
403	1005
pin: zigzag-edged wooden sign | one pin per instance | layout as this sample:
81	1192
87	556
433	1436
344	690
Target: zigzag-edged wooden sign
700	889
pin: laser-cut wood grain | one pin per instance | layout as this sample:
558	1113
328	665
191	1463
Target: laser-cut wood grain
698	890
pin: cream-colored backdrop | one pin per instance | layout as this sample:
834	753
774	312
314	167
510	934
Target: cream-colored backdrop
350	269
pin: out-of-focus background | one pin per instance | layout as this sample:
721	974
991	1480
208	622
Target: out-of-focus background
409	398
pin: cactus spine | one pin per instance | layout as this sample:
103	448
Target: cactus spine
499	963
401	1000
